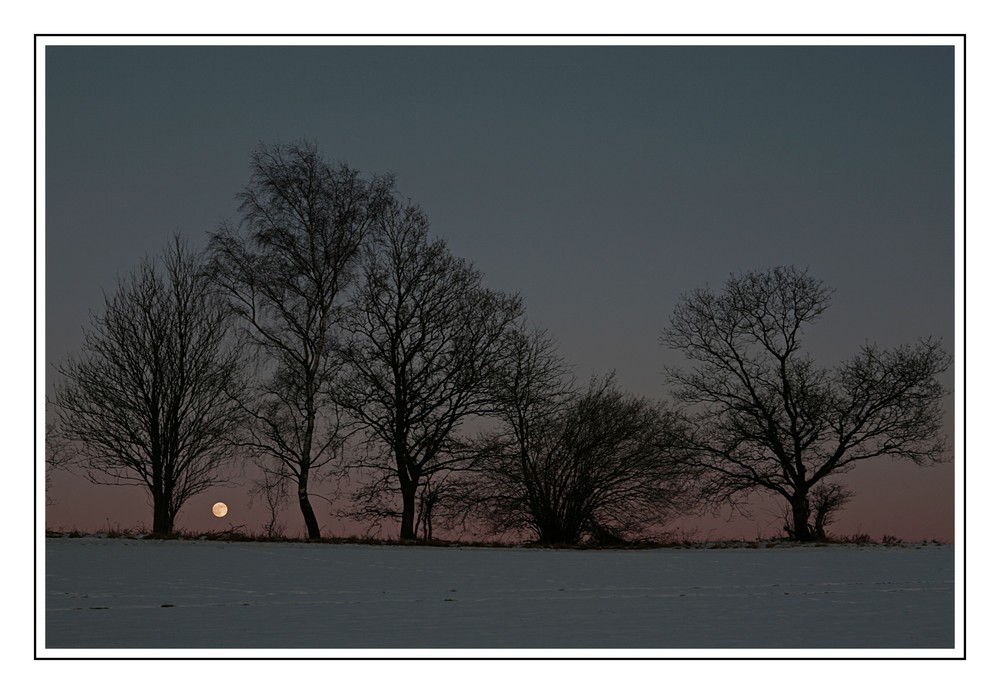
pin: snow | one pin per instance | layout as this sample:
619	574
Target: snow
103	593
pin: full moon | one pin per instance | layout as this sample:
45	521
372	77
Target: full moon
219	510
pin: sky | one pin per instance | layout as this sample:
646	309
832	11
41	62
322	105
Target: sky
599	182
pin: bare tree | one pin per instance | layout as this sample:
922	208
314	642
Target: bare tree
765	417
272	489
567	465
826	500
149	400
530	392
423	346
443	503
284	271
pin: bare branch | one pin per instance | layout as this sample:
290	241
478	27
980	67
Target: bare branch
763	415
423	346
149	400
284	272
568	464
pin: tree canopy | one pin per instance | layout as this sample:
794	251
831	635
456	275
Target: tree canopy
764	416
284	271
424	337
150	399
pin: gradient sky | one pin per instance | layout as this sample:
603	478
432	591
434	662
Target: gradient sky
599	182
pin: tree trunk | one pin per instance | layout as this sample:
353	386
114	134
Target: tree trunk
427	507
406	529
163	522
551	537
819	528
557	532
800	530
558	537
312	527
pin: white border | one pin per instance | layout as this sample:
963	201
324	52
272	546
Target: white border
446	40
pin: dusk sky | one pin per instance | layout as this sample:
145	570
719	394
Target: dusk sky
599	182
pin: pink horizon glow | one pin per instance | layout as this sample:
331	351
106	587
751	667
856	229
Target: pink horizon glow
894	498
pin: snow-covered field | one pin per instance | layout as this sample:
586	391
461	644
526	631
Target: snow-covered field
145	594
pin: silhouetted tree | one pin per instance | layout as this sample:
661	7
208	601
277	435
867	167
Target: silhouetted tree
284	271
826	500
443	503
567	465
272	489
765	417
149	401
423	347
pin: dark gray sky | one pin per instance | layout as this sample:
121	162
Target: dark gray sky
599	182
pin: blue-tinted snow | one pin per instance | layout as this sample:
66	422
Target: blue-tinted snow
129	594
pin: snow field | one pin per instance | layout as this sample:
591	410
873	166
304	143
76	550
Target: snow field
147	594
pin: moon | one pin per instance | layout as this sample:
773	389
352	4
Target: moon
219	510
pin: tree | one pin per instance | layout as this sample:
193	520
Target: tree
284	270
598	464
442	502
272	489
765	417
826	500
424	337
568	463
149	400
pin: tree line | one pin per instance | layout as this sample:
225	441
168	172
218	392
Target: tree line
327	332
